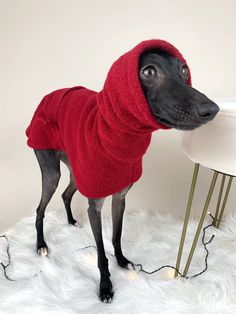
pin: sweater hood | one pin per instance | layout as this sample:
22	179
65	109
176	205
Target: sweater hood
122	102
104	135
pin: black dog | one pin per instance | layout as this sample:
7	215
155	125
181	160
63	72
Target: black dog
173	103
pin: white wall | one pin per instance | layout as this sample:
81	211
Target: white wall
47	45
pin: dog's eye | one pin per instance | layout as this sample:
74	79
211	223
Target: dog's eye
184	70
149	71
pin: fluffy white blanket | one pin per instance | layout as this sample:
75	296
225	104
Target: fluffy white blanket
67	280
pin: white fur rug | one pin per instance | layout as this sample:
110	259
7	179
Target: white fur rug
69	278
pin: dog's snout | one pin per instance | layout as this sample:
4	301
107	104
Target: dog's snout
207	110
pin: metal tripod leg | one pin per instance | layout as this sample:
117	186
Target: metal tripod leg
200	224
186	219
219	200
224	201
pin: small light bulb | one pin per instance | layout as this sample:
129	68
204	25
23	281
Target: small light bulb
90	259
169	274
132	275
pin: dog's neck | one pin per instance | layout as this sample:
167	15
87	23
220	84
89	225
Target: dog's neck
122	141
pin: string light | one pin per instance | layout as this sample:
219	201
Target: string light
9	259
132	274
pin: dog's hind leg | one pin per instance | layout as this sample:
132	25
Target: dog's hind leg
69	192
49	163
94	213
67	197
118	207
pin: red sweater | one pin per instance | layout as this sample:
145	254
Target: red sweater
105	134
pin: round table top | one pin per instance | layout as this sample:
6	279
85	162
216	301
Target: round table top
213	145
227	105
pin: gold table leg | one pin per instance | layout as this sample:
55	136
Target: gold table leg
213	182
186	219
219	200
224	201
216	222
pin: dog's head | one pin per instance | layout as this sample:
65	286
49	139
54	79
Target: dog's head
172	100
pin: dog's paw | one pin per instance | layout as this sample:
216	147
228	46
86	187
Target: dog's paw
106	293
43	251
125	263
75	223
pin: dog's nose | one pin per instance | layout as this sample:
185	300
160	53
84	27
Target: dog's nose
207	110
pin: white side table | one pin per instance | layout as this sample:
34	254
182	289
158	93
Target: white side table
213	146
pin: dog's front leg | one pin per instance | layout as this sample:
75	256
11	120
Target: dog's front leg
94	213
118	207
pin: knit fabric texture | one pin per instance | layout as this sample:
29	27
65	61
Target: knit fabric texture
104	134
